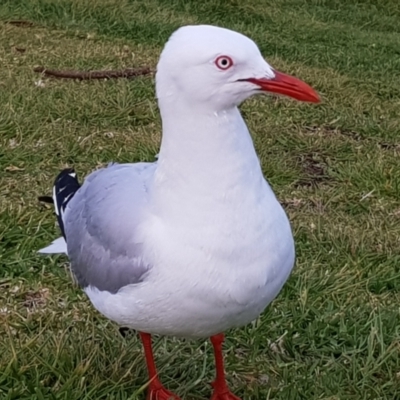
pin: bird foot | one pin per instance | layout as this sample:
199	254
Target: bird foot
223	393
156	391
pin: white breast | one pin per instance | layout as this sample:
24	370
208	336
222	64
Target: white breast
214	276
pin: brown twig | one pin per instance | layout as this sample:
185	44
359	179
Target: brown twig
20	22
83	75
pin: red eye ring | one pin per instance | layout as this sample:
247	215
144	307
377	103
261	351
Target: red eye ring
224	62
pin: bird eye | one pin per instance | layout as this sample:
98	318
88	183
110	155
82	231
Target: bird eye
223	62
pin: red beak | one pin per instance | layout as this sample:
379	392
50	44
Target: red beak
288	86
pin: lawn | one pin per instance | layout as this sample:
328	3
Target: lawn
334	331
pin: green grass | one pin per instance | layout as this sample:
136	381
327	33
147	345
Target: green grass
334	331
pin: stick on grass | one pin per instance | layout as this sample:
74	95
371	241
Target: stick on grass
86	75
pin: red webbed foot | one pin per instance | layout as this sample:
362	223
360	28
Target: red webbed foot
156	391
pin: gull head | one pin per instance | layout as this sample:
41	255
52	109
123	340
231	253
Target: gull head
212	67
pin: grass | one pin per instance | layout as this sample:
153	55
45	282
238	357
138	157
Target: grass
333	333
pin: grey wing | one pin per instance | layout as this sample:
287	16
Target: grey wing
101	226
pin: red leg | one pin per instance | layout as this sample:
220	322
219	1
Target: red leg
221	390
155	390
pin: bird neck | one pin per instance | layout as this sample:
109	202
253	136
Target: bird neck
204	154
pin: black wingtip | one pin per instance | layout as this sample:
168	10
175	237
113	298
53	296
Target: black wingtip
125	332
65	186
46	199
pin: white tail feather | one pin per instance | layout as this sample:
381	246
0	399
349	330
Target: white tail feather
58	246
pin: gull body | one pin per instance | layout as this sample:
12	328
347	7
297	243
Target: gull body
195	243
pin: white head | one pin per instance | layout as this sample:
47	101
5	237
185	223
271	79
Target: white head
207	66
